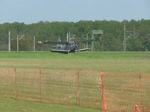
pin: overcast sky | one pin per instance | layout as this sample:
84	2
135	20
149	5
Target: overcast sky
33	11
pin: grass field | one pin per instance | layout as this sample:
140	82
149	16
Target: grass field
100	61
115	64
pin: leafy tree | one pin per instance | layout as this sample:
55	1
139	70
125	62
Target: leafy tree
111	40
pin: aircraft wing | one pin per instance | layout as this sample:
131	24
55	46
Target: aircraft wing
84	49
60	51
55	42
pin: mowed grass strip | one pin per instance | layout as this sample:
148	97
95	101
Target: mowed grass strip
79	55
100	61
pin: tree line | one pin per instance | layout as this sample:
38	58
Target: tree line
137	34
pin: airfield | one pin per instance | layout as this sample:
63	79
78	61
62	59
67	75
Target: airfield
54	82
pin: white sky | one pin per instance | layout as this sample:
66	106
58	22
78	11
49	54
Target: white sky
32	11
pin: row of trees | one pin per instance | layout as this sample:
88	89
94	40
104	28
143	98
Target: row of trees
111	40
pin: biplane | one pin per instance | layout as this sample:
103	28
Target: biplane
68	46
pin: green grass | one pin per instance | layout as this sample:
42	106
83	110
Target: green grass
13	105
101	61
80	55
120	64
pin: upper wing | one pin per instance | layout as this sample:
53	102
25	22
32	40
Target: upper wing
55	42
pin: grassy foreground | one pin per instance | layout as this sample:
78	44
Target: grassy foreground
110	62
12	105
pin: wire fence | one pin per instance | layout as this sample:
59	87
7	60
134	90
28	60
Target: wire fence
124	91
108	93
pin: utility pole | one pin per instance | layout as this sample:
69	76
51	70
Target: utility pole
124	41
125	38
87	37
34	43
9	42
17	44
18	41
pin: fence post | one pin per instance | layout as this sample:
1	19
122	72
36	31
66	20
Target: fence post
137	109
15	79
40	81
101	85
141	90
78	86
